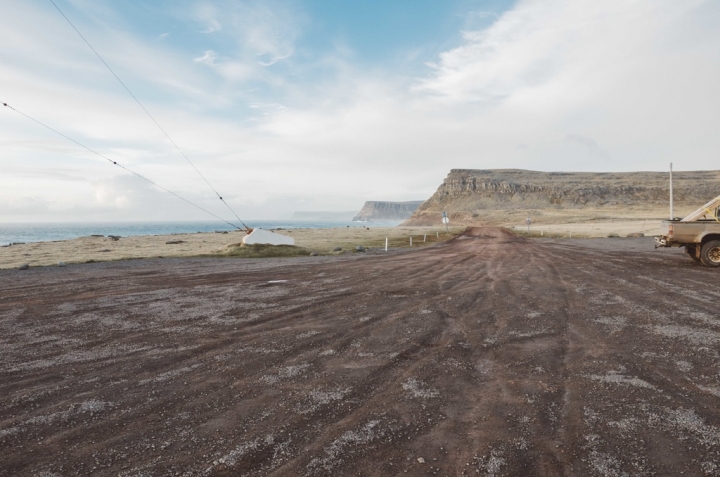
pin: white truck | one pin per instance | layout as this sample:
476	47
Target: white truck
699	233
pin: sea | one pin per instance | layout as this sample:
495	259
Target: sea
48	232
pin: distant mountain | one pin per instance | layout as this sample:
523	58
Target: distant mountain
382	210
509	195
323	215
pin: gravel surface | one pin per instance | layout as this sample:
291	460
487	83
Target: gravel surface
489	355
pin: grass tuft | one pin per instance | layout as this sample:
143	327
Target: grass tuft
262	251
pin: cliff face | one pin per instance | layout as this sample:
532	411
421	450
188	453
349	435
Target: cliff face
378	210
504	195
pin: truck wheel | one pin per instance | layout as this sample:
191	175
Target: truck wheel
710	253
692	251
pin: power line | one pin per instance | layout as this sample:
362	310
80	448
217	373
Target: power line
120	165
148	113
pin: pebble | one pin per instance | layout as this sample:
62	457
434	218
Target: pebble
421	460
61	264
24	266
337	249
313	254
360	248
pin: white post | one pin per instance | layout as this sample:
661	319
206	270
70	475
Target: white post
386	243
672	214
425	238
541	233
437	234
411	241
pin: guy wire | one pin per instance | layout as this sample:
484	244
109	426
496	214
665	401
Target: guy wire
148	113
120	165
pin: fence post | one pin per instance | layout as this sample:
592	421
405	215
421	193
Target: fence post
425	238
411	241
386	243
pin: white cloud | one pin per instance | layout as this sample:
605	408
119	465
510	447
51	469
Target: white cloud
263	33
208	58
550	85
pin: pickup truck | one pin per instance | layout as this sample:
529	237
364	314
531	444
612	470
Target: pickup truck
699	233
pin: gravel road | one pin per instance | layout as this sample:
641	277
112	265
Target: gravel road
490	355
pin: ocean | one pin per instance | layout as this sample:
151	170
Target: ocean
48	232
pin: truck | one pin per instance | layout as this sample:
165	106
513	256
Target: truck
699	233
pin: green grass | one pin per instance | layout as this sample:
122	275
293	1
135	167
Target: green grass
263	251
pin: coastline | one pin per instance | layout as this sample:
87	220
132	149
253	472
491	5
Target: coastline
323	241
104	248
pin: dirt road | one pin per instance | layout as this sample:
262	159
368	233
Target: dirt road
489	355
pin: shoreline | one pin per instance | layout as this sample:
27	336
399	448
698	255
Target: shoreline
103	248
323	241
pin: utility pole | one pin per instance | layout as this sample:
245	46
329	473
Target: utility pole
672	213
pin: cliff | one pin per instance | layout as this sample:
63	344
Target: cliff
508	195
379	210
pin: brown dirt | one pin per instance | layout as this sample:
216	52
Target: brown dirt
488	355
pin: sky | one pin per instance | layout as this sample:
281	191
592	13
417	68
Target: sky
320	105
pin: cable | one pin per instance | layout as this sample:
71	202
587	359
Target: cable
120	165
149	115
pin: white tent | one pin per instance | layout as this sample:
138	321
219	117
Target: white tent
265	237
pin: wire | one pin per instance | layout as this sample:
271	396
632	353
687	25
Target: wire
120	165
148	113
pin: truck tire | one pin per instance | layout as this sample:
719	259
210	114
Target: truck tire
692	251
710	253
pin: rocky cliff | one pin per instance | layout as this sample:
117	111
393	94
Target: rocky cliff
507	195
379	210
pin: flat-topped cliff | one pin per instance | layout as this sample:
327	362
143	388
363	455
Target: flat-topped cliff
382	210
506	195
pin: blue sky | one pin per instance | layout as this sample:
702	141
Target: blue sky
321	105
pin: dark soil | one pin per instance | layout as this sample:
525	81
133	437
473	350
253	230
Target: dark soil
488	355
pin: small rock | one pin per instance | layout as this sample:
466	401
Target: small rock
61	264
313	254
97	235
421	460
114	237
636	235
360	248
613	235
337	249
104	250
174	242
24	266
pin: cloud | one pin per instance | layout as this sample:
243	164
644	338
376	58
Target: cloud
548	85
208	58
24	206
263	32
